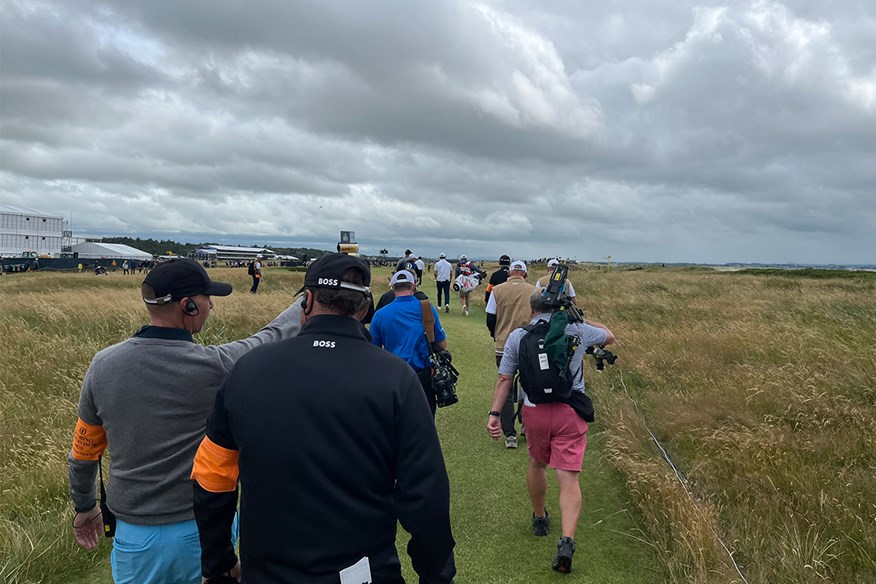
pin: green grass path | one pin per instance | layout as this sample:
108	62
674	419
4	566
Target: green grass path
490	505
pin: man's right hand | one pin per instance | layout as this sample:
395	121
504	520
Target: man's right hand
494	427
233	575
87	527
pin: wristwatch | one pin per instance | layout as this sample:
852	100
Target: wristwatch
495	413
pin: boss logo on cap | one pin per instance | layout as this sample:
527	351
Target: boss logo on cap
327	282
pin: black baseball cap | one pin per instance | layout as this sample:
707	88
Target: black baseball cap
328	272
182	277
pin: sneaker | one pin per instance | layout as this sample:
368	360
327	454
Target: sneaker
565	551
540	525
510	441
446	308
465	310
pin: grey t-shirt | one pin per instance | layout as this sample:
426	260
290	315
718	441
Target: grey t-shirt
152	395
589	335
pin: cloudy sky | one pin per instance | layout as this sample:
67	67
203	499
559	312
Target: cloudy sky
648	130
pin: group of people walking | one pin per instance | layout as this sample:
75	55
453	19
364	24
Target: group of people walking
328	424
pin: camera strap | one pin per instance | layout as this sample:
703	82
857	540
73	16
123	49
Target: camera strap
428	322
109	519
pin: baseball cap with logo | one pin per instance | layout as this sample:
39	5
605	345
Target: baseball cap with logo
518	266
328	272
180	278
402	277
553	262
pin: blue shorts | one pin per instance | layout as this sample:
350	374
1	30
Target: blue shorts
159	554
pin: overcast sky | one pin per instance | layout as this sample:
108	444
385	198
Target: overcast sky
648	130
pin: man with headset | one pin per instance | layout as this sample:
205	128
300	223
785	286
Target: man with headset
147	400
324	509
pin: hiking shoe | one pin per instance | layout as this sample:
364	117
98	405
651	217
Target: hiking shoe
510	441
540	525
565	551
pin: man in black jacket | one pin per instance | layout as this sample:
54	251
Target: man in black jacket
313	508
500	276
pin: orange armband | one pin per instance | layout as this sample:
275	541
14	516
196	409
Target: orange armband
215	468
89	441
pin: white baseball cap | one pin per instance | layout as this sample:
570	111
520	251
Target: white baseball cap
441	255
518	266
553	262
402	277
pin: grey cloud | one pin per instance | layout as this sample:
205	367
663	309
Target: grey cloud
659	131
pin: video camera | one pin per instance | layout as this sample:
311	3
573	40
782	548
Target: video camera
444	378
556	294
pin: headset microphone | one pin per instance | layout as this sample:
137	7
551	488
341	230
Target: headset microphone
158	301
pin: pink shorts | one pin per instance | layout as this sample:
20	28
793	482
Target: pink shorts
555	435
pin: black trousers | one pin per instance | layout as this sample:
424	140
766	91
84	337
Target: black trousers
255	285
426	381
445	288
507	413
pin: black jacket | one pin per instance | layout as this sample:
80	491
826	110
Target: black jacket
336	443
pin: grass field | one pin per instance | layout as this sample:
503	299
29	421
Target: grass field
762	387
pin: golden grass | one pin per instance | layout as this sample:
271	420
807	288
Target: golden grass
764	390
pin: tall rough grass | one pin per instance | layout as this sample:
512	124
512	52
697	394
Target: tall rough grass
763	388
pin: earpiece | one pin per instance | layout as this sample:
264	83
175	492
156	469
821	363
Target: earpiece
191	308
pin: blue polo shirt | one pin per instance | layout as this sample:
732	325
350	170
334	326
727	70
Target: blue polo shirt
398	328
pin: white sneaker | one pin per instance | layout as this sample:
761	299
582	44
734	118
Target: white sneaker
446	308
465	310
510	441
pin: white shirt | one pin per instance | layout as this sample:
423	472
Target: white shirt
420	265
442	270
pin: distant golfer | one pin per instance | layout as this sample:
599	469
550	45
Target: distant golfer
147	399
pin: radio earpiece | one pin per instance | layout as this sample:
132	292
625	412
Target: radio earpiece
191	308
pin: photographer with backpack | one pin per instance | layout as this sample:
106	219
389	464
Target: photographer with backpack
254	270
548	353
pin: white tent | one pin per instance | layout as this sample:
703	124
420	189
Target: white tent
110	251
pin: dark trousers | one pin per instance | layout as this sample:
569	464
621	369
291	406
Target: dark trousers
507	415
444	287
255	285
426	381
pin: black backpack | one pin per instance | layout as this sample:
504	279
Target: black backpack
251	269
543	381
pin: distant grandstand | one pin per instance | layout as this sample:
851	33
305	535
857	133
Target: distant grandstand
27	232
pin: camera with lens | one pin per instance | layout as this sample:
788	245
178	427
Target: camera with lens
556	295
444	378
601	355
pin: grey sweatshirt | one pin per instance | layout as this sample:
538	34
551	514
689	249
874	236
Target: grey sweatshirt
152	395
